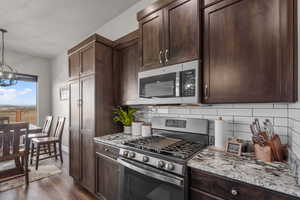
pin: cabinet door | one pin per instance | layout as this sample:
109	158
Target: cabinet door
151	41
74	65
129	64
181	31
75	166
107	178
248	52
87	130
88	59
199	195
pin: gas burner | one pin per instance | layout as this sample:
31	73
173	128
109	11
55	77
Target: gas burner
173	142
166	146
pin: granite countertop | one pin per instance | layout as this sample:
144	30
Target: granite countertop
274	176
116	139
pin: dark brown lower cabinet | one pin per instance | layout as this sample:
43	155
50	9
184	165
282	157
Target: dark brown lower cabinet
107	172
200	195
207	186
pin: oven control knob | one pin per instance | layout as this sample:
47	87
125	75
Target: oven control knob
161	164
170	166
131	155
125	153
145	159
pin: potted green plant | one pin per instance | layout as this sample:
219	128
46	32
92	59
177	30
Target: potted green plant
125	116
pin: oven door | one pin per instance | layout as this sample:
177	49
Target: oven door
140	182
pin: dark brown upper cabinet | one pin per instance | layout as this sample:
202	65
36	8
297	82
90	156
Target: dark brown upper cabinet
169	33
74	65
127	66
151	40
87	61
81	57
250	51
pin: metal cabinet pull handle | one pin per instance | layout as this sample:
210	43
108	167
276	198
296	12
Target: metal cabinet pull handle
160	56
167	55
206	91
234	192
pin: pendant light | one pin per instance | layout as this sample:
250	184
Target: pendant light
7	73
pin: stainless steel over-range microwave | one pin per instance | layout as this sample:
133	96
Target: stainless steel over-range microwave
177	84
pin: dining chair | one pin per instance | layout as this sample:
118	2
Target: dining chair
53	140
45	133
12	150
46	129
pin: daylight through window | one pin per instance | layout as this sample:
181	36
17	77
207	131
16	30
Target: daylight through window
19	102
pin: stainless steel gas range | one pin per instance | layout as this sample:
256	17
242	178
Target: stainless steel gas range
154	168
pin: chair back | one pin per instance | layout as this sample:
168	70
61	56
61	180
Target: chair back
59	129
47	125
11	136
4	119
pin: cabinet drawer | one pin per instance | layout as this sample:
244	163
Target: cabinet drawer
210	2
199	195
230	189
107	150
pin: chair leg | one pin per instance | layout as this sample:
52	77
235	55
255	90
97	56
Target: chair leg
60	152
37	156
26	171
49	149
55	151
32	153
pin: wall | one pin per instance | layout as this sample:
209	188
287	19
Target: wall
59	79
35	66
123	24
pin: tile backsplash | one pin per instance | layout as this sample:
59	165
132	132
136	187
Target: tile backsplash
238	116
285	117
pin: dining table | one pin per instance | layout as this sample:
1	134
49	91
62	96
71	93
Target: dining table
34	129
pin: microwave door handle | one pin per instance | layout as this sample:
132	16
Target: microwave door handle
172	180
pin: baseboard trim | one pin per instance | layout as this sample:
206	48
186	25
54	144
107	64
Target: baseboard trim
65	148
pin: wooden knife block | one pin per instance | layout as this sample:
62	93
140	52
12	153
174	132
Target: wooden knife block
273	151
263	153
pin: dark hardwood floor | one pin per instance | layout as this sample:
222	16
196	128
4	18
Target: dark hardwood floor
57	187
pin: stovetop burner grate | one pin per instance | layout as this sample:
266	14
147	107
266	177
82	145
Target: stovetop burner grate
167	146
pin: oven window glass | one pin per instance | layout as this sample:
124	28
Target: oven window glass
162	86
140	187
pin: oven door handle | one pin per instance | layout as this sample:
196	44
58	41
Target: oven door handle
172	180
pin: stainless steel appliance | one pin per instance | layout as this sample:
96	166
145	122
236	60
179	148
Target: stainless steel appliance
177	84
154	168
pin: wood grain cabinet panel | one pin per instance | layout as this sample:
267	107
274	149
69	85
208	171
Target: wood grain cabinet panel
74	65
87	130
151	41
87	59
107	172
200	195
91	104
169	33
75	155
107	175
181	31
249	52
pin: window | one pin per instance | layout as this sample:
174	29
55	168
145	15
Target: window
18	102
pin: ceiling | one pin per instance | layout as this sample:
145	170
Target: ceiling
47	27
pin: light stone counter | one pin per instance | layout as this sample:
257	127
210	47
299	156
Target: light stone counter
273	176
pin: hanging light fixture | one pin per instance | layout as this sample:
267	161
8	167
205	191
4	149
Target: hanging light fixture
7	73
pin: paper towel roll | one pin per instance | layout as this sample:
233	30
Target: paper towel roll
220	133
